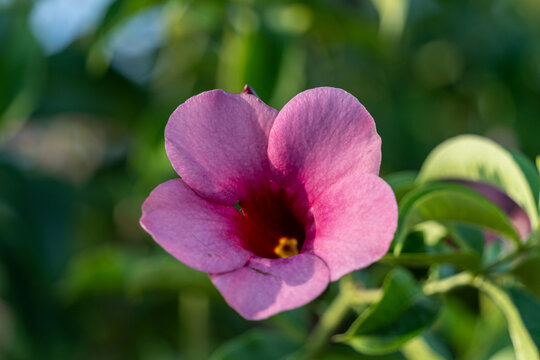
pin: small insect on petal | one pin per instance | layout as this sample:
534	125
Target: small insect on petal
286	247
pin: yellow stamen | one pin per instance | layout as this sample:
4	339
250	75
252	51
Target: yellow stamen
286	247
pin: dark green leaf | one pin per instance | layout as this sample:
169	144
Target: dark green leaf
469	237
256	344
527	273
466	261
529	309
402	313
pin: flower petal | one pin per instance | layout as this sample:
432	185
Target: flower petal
217	143
321	135
355	220
199	233
266	287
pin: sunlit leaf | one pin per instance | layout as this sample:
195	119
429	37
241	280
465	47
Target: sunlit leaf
529	310
531	174
432	232
402	313
477	158
450	203
522	318
419	348
506	353
393	15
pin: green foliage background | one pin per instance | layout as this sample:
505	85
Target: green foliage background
81	146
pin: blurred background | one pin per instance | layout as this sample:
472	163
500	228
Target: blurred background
86	88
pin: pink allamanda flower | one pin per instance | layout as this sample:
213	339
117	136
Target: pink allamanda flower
272	205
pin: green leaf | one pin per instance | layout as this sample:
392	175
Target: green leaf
402	182
531	174
517	316
538	169
469	237
450	203
466	261
527	273
402	313
529	310
256	344
477	158
419	348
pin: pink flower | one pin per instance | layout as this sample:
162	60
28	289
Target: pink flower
305	178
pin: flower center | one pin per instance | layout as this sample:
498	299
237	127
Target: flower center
286	247
269	225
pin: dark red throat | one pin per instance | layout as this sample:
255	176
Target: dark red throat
266	217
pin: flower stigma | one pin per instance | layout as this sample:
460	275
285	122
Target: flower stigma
286	247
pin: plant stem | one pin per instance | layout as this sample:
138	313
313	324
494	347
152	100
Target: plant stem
331	318
193	312
348	296
449	283
351	295
509	257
